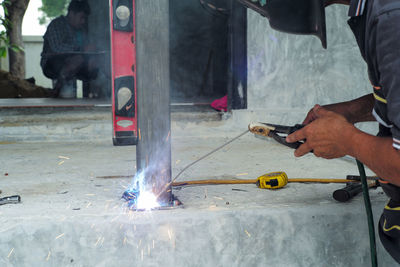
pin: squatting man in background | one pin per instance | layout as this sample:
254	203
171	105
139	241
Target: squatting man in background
330	131
67	54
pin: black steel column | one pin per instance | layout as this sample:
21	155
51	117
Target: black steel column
153	152
237	75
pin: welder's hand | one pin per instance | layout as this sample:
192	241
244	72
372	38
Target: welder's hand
328	135
311	116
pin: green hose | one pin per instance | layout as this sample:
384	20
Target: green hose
367	202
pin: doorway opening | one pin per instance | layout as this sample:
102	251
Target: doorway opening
208	52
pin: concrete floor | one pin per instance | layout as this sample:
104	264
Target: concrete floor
69	217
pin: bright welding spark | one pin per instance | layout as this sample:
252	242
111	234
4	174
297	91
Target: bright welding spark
247	233
169	234
63	157
48	256
147	201
61	162
60	236
242	174
89	204
11	252
97	242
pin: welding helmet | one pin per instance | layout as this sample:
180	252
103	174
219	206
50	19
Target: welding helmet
293	16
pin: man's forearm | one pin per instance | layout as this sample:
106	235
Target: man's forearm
357	110
377	153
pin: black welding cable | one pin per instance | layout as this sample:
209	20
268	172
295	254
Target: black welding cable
367	202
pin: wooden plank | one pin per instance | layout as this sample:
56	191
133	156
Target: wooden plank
153	151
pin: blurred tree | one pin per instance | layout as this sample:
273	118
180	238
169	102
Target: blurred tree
5	43
52	9
14	11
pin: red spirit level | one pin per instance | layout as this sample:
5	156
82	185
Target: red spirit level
123	69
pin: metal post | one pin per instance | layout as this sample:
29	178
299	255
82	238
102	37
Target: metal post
153	152
237	76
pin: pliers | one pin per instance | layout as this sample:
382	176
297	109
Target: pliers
277	132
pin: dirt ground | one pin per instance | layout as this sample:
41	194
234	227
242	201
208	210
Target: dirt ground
12	87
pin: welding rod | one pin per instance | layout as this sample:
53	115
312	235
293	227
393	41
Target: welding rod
165	188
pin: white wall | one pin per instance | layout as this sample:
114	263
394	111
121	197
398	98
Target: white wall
33	49
33	46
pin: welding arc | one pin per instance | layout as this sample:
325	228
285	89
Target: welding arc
254	181
200	159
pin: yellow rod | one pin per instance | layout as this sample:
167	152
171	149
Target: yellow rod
254	181
242	181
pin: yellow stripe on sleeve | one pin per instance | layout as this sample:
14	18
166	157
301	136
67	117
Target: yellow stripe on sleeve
380	99
391	228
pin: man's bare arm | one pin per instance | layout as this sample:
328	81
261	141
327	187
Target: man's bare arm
332	136
357	110
378	154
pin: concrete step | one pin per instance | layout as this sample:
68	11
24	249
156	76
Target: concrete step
70	217
78	123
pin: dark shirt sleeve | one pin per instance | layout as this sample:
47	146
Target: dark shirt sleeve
388	61
59	38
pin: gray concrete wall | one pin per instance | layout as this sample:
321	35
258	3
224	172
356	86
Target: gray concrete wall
290	71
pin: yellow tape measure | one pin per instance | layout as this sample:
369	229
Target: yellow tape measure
273	180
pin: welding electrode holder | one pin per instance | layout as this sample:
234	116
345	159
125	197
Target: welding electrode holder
285	130
276	132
